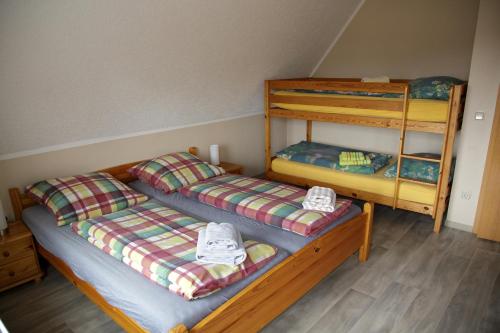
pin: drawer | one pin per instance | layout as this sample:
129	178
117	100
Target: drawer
17	270
15	250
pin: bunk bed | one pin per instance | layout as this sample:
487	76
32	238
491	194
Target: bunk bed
384	105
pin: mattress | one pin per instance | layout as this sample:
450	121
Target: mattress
258	231
418	109
375	183
152	306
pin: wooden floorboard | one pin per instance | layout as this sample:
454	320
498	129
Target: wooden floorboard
414	281
389	267
344	314
470	301
428	307
385	312
490	322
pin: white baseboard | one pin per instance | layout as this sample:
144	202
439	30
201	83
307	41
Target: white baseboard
459	226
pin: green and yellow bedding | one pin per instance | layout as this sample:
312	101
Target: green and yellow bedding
375	183
328	156
428	100
418	109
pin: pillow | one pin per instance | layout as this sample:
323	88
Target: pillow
435	87
425	171
173	171
382	78
83	197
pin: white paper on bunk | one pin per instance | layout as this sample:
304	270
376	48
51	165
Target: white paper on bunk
226	257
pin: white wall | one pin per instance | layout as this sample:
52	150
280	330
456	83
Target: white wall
74	71
405	39
241	140
401	39
408	39
375	139
482	91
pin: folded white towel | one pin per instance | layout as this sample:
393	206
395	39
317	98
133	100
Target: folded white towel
383	78
221	236
320	198
211	256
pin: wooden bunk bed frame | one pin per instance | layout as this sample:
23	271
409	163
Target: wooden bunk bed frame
447	129
261	301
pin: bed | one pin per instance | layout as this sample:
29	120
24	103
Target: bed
385	105
245	306
120	285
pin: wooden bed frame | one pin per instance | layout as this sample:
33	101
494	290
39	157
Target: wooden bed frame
261	301
447	129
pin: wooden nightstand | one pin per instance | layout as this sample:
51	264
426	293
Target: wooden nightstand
18	258
232	168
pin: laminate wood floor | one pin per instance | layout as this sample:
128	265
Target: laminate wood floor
414	281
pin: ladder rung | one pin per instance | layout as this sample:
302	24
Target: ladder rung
420	158
408	180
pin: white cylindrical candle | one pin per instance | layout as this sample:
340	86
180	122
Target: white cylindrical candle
3	221
214	154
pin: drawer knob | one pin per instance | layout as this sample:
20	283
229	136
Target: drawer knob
12	273
6	254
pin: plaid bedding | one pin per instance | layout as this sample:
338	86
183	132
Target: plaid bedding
172	171
84	196
268	202
160	243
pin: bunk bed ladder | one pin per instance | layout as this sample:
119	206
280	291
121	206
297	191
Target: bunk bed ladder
455	97
402	155
443	153
439	160
402	134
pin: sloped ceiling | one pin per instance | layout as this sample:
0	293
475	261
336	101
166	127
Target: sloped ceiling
79	70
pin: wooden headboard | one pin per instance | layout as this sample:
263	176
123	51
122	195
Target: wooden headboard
20	200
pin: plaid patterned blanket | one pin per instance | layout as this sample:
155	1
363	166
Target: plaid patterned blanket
160	243
268	202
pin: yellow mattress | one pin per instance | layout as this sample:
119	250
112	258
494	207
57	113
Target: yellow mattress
375	183
418	109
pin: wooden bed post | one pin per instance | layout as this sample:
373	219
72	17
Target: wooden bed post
447	156
267	126
180	328
15	200
309	131
193	151
364	250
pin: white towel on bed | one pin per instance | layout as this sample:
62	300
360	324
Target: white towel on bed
218	256
223	236
320	198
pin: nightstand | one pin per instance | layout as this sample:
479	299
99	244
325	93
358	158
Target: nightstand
232	168
18	258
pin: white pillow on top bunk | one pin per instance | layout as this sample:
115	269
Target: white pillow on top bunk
382	78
